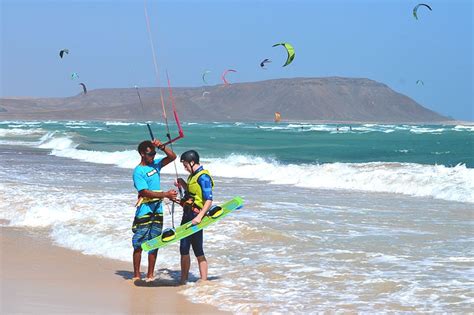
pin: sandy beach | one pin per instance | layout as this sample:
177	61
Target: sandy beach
40	278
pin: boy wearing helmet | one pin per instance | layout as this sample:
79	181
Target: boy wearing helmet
196	203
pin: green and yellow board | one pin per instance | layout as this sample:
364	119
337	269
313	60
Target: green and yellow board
188	228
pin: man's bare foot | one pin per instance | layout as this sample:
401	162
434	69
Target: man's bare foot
137	277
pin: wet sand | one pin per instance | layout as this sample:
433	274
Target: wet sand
37	277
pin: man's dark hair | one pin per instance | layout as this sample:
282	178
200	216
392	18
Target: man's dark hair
144	145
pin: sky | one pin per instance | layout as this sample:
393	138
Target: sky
110	48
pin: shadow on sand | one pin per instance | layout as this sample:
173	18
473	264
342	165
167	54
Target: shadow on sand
164	278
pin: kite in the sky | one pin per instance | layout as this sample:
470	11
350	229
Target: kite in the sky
74	75
204	76
290	51
264	61
224	74
277	117
83	87
415	9
62	52
420	82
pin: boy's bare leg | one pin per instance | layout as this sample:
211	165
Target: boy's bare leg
185	265
202	267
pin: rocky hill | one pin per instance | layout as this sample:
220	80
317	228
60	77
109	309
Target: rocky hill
297	99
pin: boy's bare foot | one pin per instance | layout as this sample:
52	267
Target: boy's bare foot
151	279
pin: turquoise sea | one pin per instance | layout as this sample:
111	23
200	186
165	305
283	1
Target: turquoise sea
360	217
288	143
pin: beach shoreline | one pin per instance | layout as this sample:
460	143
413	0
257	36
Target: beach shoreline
39	277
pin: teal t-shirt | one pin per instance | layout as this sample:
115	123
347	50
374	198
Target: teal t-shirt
148	177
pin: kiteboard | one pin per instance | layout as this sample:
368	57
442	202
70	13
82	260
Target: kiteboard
188	228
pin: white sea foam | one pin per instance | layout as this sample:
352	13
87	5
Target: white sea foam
462	259
464	128
118	123
275	127
58	144
64	146
82	127
124	159
436	181
133	123
12	132
403	127
420	130
16	123
76	123
15	142
76	220
333	129
25	125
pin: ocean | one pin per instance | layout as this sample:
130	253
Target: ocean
361	217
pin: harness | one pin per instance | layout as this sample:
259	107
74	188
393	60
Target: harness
147	219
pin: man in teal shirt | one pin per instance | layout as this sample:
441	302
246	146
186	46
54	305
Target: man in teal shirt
148	222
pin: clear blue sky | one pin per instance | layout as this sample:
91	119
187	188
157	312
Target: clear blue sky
109	46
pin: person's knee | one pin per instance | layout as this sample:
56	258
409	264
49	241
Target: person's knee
137	250
201	258
185	259
198	249
184	248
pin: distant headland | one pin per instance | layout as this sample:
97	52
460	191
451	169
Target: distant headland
331	99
